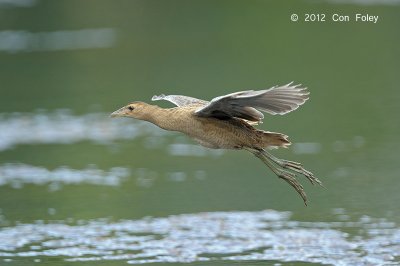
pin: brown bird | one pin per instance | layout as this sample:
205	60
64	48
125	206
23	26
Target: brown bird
226	122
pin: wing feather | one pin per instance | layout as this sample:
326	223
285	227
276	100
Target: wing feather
248	104
179	100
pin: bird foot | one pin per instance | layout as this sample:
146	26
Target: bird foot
290	178
298	168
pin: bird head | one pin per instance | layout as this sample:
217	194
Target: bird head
135	110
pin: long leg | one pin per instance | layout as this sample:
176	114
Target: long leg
281	173
294	166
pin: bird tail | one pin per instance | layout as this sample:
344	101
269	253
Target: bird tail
274	140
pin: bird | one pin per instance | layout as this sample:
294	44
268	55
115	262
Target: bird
228	122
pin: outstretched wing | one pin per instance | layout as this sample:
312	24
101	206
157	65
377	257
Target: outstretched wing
248	104
178	100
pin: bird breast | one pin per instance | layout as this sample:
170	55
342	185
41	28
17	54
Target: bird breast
218	134
210	132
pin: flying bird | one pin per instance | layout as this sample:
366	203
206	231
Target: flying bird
227	122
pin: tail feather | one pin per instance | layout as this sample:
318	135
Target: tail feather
275	140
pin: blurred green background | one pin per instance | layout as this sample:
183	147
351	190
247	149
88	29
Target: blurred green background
96	56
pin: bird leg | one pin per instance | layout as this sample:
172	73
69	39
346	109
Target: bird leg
294	166
281	173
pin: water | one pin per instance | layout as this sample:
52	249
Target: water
23	41
208	237
78	187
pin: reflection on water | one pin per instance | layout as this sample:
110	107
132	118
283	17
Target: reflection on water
181	149
63	128
23	41
306	148
147	178
345	146
19	174
17	3
238	236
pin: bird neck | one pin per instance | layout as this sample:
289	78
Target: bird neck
161	117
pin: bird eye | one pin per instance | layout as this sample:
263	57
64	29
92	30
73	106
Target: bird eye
130	108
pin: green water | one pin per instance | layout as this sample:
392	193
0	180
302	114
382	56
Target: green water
133	50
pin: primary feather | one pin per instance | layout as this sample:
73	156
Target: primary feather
248	104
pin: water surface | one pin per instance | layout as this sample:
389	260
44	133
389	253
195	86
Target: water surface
77	187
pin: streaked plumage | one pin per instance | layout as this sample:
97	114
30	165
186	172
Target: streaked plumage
226	122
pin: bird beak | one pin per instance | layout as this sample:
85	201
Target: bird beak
114	114
119	112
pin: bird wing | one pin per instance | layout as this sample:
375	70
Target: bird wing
248	104
178	100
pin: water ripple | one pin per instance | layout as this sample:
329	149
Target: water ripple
14	41
264	235
19	174
61	127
